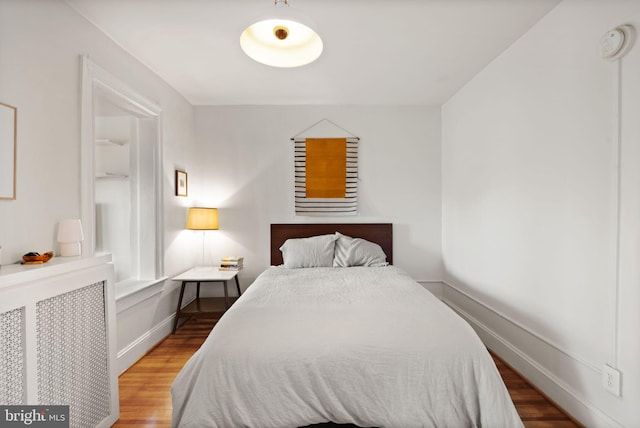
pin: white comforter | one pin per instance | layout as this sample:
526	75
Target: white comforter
367	346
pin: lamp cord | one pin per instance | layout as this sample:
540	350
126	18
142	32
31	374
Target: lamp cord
617	106
203	237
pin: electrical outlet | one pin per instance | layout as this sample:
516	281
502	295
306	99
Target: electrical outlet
611	380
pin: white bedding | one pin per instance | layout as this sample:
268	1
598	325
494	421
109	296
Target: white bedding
367	346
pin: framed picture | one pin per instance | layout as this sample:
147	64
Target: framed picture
181	183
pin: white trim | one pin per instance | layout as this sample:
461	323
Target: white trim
510	340
109	82
159	205
132	293
435	287
135	350
592	366
95	79
87	156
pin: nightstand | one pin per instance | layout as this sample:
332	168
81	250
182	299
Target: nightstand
206	306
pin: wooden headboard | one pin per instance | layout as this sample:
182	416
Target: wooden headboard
380	233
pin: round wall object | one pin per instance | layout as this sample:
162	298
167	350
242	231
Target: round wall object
617	42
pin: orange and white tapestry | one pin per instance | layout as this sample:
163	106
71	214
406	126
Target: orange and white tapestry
326	176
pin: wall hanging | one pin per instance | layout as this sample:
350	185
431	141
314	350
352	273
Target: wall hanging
326	174
181	183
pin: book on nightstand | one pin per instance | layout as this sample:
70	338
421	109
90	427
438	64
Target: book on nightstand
231	263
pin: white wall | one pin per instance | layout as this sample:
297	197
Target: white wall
41	42
248	174
530	210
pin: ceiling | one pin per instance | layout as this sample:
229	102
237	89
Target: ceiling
391	52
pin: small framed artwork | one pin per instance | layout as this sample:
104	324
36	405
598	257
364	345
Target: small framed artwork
181	183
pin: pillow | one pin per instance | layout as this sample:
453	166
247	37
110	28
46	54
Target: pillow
316	251
357	252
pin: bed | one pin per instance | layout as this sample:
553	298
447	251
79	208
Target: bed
366	346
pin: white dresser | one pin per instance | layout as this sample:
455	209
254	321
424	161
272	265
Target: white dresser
57	338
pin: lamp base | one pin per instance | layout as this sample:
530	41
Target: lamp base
70	249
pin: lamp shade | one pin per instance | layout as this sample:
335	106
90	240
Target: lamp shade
282	38
70	231
69	236
202	219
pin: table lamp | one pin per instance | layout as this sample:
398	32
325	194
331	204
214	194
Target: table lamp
203	219
69	237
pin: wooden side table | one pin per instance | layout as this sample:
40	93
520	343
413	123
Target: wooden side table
209	306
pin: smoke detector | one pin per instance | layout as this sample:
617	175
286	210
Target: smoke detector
617	42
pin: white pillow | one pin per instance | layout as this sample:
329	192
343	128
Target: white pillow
316	251
357	252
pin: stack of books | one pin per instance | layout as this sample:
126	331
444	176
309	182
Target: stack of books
231	263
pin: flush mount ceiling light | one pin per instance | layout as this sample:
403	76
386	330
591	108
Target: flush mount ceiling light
282	38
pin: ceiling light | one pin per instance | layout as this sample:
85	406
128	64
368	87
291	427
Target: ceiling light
282	38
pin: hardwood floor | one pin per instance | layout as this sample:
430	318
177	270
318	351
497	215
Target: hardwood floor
534	409
145	397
